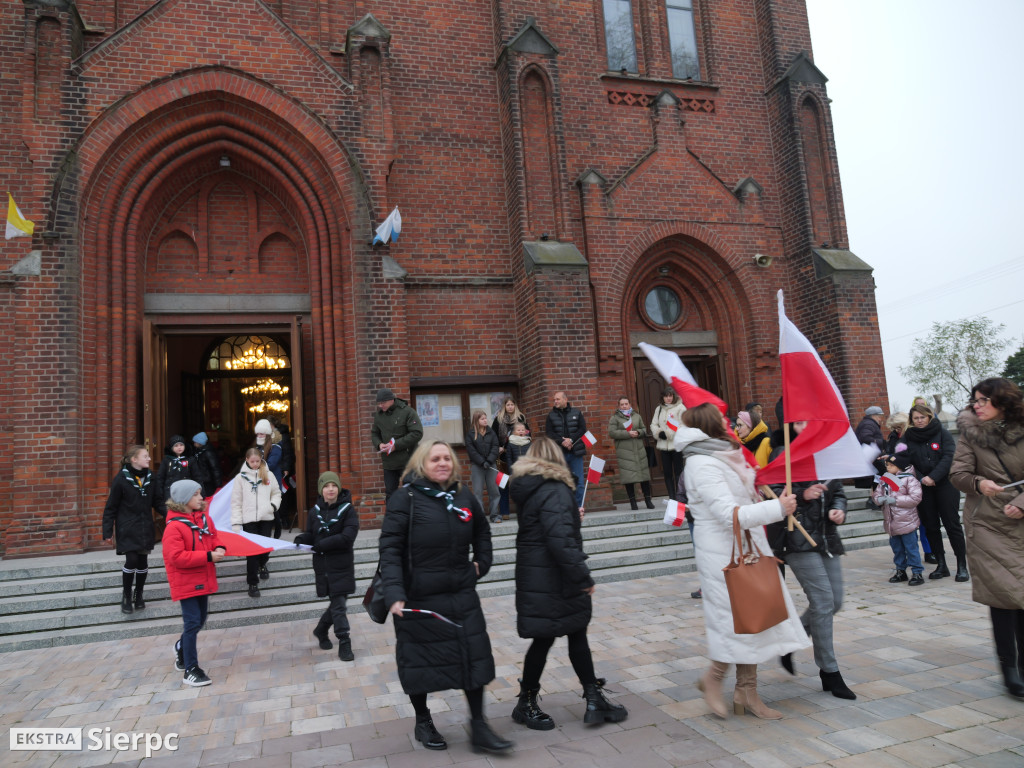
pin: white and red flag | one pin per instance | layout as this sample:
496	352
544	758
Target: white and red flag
672	424
588	439
891	481
389	446
218	509
827	446
675	515
629	424
595	469
501	479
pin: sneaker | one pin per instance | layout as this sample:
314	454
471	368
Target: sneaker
264	573
179	657
195	677
254	590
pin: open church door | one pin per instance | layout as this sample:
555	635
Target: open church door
298	428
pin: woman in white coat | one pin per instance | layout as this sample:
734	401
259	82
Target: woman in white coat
718	479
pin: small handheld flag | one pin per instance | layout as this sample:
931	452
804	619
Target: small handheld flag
17	224
388	447
588	439
672	424
629	424
595	469
675	514
389	229
501	479
890	481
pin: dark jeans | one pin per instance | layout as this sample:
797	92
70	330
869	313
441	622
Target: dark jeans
337	614
193	613
940	505
503	507
672	466
579	656
575	463
253	562
392	479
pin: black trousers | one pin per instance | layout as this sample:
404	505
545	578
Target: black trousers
940	508
336	613
253	562
672	467
392	479
579	656
1008	633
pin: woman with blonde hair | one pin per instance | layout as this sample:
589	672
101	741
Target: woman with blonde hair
255	498
482	447
553	583
719	480
435	544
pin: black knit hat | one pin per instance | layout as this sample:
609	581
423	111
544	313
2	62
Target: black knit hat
901	460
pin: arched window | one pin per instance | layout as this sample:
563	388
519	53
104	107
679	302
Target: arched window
247	353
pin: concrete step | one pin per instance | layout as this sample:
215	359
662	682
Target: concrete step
76	599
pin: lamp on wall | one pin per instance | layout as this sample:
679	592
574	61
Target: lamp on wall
225	161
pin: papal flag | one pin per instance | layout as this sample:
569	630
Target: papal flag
17	225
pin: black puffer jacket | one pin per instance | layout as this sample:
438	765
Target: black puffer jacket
482	449
172	469
205	470
431	654
128	514
551	568
931	449
332	530
813	516
567	422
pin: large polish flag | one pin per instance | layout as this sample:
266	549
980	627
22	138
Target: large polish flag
827	447
218	508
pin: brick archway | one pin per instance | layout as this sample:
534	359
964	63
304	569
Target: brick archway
132	162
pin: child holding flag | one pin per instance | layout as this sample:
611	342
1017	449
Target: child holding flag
898	493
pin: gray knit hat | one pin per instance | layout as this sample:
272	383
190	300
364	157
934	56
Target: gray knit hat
183	490
383	395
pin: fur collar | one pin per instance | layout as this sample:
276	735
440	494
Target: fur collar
988	434
531	465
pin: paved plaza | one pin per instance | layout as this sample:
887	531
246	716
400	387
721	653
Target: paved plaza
920	660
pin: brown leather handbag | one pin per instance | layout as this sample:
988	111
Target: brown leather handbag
755	589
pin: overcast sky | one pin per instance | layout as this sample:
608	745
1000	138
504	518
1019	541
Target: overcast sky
928	114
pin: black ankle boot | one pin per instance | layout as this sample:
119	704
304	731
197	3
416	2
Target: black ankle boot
897	577
126	601
427	735
599	709
1013	680
345	649
787	663
648	502
942	570
833	683
483	739
961	570
529	713
320	633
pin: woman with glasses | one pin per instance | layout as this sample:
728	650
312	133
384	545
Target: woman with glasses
990	458
931	447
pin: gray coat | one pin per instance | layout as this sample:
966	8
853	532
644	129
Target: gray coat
630	451
994	541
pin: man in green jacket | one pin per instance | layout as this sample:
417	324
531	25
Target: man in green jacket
396	433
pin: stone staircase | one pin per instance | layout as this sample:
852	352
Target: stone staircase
73	599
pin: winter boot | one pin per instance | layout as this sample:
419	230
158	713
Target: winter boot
631	493
1012	679
833	683
320	633
646	487
787	663
427	735
140	582
528	711
745	696
897	577
916	580
599	709
942	570
126	601
483	739
345	649
711	686
961	570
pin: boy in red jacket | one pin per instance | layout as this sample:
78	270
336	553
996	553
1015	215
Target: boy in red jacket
191	549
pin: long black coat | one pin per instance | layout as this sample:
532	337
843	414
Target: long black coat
128	513
931	450
431	654
551	568
332	529
482	449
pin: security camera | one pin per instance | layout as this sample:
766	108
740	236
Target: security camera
761	260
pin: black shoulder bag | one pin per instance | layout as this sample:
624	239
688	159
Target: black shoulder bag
373	600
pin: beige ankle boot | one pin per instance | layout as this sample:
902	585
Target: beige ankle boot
746	696
711	686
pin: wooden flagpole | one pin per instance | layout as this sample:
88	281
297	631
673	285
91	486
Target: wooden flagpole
767	491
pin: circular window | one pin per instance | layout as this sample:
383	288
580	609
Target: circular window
663	306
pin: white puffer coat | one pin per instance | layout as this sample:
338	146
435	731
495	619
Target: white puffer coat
251	500
658	424
714	486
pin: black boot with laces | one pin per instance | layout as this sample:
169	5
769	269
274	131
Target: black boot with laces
529	713
599	709
427	735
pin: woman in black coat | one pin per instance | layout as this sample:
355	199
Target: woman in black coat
553	584
931	449
431	525
331	529
483	449
128	514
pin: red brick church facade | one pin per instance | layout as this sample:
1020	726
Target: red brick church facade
573	177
